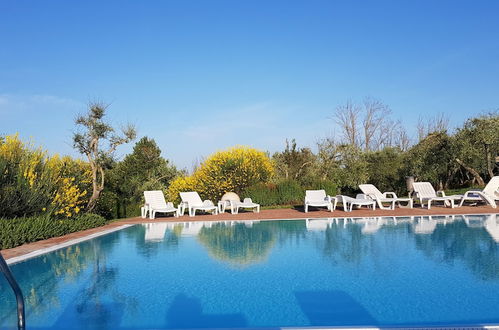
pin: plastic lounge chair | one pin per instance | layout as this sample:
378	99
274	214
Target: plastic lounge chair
318	198
155	203
360	200
193	202
425	194
233	201
383	198
247	203
489	194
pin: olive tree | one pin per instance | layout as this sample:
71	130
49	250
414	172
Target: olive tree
97	141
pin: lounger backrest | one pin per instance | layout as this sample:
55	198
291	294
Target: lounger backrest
155	199
370	190
492	187
424	190
315	195
191	197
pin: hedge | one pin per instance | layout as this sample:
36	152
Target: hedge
286	192
18	231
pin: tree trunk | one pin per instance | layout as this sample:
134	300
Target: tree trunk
489	161
92	202
96	189
472	171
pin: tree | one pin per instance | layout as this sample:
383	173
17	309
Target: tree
342	164
143	169
89	143
369	126
293	163
385	169
479	140
435	124
432	159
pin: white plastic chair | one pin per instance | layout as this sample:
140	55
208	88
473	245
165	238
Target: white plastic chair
318	198
489	194
386	197
360	200
193	202
426	194
247	203
155	203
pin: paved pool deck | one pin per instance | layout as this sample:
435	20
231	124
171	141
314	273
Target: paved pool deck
288	213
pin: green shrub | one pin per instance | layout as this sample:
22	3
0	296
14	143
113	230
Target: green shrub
18	231
283	193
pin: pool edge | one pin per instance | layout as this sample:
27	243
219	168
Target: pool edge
39	252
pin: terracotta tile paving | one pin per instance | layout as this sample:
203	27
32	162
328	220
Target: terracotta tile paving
291	213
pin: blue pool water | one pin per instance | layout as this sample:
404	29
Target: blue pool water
370	271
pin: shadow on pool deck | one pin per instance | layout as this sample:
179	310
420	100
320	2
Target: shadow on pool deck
333	308
187	312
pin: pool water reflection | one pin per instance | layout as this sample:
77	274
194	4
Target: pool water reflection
313	272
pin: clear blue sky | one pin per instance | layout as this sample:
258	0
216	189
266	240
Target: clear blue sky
198	76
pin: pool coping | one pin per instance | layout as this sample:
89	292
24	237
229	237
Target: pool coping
39	252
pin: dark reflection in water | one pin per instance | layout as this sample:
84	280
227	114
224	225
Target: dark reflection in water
471	240
238	243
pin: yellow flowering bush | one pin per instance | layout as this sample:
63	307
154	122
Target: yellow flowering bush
32	182
73	180
185	183
230	170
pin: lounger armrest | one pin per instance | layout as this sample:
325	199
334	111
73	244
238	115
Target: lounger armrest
390	194
472	193
441	193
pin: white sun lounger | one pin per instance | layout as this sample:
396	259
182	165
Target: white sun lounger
426	194
155	203
383	198
193	202
489	194
360	200
247	203
318	198
233	201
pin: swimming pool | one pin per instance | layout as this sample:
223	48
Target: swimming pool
318	272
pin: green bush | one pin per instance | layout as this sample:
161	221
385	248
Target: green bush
285	192
18	231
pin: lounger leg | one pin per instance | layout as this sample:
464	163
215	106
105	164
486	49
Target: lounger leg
452	205
429	204
306	208
152	214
